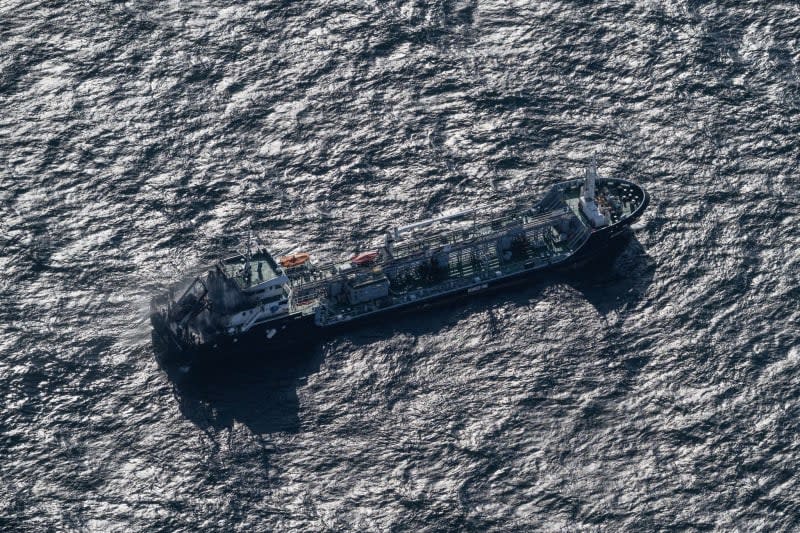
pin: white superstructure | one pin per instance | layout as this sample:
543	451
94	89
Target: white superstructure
587	201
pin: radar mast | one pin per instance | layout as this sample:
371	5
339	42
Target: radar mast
587	202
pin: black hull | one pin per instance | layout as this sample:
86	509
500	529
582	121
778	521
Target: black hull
258	343
603	239
282	335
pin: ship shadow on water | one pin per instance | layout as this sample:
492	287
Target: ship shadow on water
618	281
259	390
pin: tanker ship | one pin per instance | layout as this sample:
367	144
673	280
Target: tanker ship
259	301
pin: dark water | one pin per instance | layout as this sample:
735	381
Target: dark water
139	139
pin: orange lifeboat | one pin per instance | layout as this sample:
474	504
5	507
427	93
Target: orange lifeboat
294	260
364	258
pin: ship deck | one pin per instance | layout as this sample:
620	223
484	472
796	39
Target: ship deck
473	259
262	268
554	230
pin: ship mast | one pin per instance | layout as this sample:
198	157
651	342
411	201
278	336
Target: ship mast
591	177
587	200
248	256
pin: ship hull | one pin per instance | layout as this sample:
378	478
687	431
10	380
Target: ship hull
284	334
262	341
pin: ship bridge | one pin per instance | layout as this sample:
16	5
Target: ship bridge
253	271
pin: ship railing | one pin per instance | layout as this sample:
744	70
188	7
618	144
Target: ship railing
539	222
421	243
326	315
580	236
253	319
481	246
449	235
553	198
489	266
481	232
489	228
303	295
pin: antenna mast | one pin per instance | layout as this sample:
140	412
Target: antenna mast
591	176
248	254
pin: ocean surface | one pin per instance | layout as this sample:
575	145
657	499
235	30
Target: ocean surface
140	140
